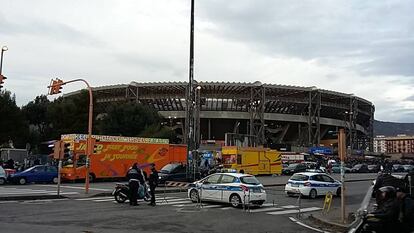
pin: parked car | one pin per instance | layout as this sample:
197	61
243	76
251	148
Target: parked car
228	188
373	168
294	168
35	174
3	176
312	184
172	172
336	168
360	168
398	168
408	168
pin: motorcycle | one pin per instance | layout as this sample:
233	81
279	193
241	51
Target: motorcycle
121	192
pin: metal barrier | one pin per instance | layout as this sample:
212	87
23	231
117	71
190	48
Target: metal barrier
181	185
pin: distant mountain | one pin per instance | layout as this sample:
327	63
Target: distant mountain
392	128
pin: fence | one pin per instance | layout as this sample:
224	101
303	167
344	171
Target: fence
181	185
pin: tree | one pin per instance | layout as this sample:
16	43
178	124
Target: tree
129	119
13	125
68	115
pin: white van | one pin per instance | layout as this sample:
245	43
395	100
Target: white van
2	176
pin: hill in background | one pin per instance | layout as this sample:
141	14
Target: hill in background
392	128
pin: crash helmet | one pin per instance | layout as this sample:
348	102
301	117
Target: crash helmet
385	193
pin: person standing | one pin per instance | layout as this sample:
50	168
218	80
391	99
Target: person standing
134	178
153	182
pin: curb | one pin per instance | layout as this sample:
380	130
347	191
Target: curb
35	197
343	227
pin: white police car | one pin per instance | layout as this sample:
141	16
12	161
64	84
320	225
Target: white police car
312	184
233	188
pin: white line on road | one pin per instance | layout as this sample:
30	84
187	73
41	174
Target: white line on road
76	187
173	203
294	211
289	206
265	209
307	226
5	202
226	208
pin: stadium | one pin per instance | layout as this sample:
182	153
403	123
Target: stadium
278	115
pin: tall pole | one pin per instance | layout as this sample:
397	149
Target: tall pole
342	151
190	96
4	48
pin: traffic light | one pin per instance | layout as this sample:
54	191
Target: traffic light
56	150
2	78
93	147
55	86
66	149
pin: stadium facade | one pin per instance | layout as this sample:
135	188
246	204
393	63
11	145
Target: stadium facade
275	114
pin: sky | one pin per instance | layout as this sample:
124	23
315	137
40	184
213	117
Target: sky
365	48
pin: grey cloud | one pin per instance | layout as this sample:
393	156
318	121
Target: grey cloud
48	29
151	64
378	33
410	98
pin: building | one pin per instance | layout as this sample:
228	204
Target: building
380	145
402	144
276	115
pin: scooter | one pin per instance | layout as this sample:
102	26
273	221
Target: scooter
121	192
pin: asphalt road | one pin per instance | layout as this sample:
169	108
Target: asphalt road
101	214
76	189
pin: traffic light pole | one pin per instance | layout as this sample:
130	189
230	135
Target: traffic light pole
56	86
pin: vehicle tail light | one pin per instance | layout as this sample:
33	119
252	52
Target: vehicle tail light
244	188
307	184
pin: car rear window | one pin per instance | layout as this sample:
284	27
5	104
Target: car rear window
299	177
249	180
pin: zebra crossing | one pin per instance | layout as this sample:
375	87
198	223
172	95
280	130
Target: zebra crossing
10	191
180	202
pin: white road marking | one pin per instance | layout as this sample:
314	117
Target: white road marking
289	206
173	203
77	187
265	209
5	202
307	226
226	208
294	211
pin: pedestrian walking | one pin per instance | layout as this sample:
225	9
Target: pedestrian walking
153	182
134	175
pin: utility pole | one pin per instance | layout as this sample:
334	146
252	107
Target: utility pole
342	153
190	106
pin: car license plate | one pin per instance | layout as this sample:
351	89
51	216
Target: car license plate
294	185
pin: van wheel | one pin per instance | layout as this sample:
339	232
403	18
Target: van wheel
2	181
313	194
194	196
235	200
55	180
22	181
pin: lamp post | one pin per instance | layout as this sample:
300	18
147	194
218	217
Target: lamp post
3	49
55	86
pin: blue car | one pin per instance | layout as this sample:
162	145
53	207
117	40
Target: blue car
39	173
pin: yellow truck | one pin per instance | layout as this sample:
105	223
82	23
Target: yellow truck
252	160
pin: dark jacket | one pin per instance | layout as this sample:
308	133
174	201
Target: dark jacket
135	174
406	215
153	178
388	212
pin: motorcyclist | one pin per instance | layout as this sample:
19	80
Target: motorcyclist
135	178
406	216
385	217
